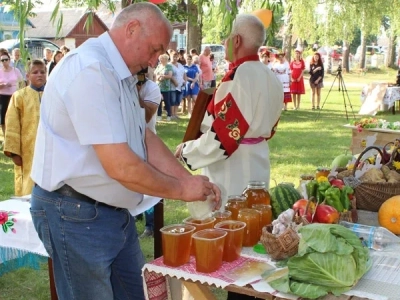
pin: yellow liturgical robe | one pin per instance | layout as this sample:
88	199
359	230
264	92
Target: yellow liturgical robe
22	121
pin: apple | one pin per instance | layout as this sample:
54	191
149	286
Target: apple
326	214
301	205
337	182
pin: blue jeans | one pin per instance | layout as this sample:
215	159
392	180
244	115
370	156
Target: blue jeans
95	249
167	102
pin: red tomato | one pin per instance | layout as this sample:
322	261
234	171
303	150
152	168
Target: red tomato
326	214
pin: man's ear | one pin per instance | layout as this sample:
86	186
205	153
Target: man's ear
237	41
132	28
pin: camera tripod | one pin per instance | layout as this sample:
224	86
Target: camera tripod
345	94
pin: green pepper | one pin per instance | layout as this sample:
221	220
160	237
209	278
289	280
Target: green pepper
332	198
311	188
322	187
344	196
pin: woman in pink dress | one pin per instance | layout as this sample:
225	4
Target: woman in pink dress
297	89
9	81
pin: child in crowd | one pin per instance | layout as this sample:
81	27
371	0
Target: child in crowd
22	120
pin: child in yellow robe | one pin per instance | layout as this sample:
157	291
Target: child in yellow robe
22	121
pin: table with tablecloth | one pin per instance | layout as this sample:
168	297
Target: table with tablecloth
20	245
379	96
246	276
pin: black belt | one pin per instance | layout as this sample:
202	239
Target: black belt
68	191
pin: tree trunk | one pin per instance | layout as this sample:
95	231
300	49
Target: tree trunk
345	57
363	45
193	26
391	51
287	46
287	35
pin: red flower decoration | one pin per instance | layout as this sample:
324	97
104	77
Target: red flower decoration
3	217
6	223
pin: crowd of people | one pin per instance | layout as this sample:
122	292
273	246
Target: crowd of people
292	74
21	88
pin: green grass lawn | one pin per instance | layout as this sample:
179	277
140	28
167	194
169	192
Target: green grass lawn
305	140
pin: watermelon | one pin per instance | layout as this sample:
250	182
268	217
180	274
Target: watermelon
283	196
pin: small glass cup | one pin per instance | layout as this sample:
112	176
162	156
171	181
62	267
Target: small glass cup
235	202
222	216
209	246
265	215
176	243
207	223
252	232
233	240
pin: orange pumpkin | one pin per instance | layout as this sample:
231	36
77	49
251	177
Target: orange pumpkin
389	214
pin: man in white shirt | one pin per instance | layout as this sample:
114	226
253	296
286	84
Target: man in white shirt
94	159
150	99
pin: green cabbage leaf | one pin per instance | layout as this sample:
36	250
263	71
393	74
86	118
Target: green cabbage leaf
331	259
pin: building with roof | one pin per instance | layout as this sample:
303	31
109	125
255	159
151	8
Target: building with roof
9	25
73	32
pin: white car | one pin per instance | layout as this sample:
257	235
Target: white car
217	50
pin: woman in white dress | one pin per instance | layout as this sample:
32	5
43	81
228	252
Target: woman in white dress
281	68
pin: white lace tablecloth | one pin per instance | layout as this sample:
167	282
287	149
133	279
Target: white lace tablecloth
382	282
392	94
17	234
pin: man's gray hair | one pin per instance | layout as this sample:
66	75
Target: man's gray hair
250	29
142	11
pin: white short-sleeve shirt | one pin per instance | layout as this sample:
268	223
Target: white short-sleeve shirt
150	92
90	98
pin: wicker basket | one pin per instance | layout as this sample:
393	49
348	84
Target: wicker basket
282	246
286	244
370	195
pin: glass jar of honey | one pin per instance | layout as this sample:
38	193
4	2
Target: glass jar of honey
321	171
235	202
252	231
265	215
256	193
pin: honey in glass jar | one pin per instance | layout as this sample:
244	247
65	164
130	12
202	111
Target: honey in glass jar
252	231
265	215
256	193
321	171
235	202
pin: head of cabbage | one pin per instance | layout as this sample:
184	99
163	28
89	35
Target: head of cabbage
331	259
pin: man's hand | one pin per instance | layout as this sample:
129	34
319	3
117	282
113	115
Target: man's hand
17	160
199	188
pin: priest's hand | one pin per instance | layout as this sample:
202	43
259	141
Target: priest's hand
178	151
17	160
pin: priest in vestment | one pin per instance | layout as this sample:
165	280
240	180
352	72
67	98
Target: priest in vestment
241	117
22	121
